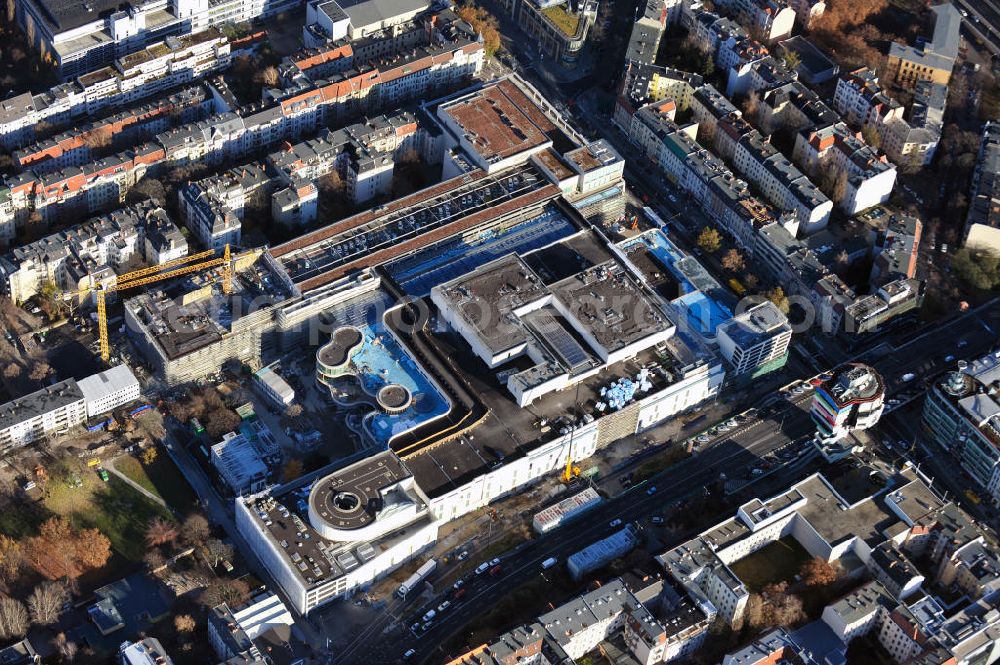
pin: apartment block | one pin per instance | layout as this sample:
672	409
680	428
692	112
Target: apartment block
861	177
85	143
653	18
982	225
772	20
213	208
781	182
52	410
161	66
450	55
935	58
90	254
83	38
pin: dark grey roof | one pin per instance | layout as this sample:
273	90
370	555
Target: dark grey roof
68	14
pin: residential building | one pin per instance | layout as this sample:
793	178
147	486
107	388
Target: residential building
53	410
83	257
109	389
832	521
807	11
861	177
81	39
653	18
162	66
962	415
934	59
861	101
851	399
773	20
982	225
897	250
781	182
213	208
755	341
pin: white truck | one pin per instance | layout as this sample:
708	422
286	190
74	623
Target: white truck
548	563
414	580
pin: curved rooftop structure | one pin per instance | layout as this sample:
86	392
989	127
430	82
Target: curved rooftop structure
364	501
338	350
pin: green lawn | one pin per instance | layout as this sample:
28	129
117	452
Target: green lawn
120	512
161	478
778	562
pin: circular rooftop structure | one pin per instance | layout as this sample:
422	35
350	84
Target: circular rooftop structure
347	504
394	398
337	352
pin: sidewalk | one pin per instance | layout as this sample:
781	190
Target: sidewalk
136	486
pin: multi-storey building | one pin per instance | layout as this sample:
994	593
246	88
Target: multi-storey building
962	416
107	390
559	26
907	139
449	55
897	249
807	11
52	410
781	182
861	101
653	18
771	20
860	177
982	225
163	65
85	256
82	38
755	341
85	143
851	399
934	59
213	208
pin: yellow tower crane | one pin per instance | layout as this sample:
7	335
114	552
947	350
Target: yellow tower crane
151	275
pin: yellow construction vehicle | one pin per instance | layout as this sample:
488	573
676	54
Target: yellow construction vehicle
151	275
571	471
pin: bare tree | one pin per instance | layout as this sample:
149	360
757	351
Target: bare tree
160	532
154	559
195	529
14	619
216	551
46	601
